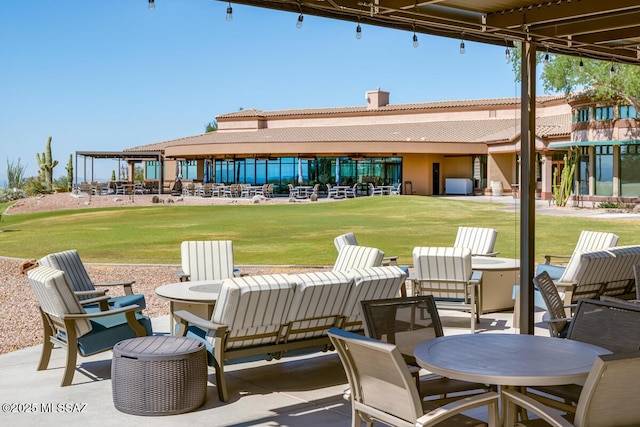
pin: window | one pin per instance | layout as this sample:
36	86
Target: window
603	113
152	170
627	112
583	171
189	169
583	115
604	170
630	170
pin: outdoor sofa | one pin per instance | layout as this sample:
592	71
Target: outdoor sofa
268	315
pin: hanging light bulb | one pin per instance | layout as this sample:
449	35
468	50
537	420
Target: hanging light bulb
546	58
462	50
581	64
415	40
299	23
229	17
358	32
507	54
612	70
152	5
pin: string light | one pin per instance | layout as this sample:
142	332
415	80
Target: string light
152	5
358	32
581	64
415	40
299	23
612	71
546	57
462	50
229	17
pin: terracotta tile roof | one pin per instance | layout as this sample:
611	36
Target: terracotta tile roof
256	113
470	131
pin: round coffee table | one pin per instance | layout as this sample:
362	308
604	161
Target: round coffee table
197	297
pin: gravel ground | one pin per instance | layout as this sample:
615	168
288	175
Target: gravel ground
20	324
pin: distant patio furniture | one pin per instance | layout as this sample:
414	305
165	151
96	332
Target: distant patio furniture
396	189
206	260
381	388
587	241
85	289
446	274
332	191
351	192
66	323
374	191
479	240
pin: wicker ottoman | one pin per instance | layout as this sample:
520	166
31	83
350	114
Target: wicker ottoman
159	375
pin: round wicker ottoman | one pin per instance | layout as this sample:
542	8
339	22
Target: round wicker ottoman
159	375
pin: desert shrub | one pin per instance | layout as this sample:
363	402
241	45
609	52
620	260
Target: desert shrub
11	194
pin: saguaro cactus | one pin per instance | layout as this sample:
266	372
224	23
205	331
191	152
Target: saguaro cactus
562	192
46	163
69	169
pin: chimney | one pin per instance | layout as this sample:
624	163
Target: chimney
377	98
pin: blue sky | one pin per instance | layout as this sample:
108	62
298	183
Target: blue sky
108	75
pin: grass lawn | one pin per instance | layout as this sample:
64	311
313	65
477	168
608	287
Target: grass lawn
282	234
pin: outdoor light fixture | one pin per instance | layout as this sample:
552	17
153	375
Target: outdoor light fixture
462	50
546	57
152	5
358	32
415	38
507	54
581	64
612	71
229	13
299	23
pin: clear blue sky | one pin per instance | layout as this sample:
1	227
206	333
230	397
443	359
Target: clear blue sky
108	75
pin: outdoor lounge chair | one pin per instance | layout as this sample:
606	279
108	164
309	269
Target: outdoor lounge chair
610	396
588	241
85	289
350	239
446	274
558	314
351	257
479	240
406	322
381	388
206	260
68	325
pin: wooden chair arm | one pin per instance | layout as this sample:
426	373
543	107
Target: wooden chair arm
184	277
87	316
547	257
184	318
101	301
128	290
96	292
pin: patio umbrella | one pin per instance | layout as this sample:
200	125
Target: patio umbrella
300	180
337	171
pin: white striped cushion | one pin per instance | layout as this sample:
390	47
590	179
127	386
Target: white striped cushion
444	271
595	241
479	240
70	262
251	306
370	284
320	295
56	297
351	257
207	259
344	240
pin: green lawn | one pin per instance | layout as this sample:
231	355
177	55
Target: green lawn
299	234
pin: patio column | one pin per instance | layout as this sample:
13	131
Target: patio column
527	185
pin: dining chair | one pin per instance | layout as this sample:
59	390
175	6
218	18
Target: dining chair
556	317
67	324
610	397
406	322
381	388
607	324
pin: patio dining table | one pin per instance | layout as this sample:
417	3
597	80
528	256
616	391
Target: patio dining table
508	360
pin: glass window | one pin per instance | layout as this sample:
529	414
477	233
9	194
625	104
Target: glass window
603	113
630	170
189	169
152	170
627	112
604	170
583	115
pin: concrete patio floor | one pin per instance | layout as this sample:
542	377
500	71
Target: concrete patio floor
295	391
